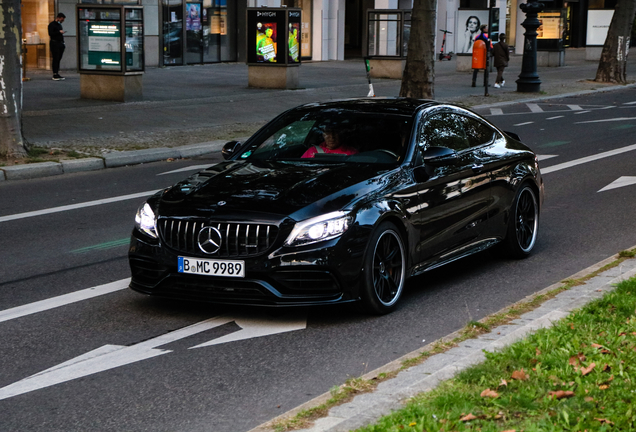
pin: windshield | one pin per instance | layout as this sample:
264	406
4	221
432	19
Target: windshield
333	135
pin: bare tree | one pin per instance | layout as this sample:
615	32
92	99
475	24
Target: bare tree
11	142
613	64
418	78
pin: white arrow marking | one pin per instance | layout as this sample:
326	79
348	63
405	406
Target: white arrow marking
105	358
63	300
112	356
607	120
580	161
546	157
622	181
189	168
252	327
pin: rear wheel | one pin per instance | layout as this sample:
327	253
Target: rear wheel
523	225
384	270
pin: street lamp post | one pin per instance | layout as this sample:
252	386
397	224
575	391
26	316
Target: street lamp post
529	78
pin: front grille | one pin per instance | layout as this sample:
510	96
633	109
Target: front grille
239	239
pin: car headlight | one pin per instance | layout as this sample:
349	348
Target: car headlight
145	220
325	227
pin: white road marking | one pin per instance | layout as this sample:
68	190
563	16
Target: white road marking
575	107
630	103
608	107
534	108
523	124
620	182
546	157
587	159
496	111
76	206
581	112
607	120
252	327
55	302
190	168
112	356
552	118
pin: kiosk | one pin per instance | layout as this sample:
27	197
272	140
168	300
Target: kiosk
110	51
550	49
387	41
273	47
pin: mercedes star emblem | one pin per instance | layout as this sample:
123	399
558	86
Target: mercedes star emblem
209	239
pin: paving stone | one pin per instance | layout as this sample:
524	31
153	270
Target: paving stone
34	170
77	165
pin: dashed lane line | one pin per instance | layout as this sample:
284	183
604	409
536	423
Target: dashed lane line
76	206
523	124
63	300
553	118
587	159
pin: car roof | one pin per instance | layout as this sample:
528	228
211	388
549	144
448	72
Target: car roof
388	105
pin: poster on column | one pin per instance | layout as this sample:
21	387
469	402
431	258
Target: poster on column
104	43
467	27
266	34
293	39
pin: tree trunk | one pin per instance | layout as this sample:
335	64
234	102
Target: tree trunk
613	64
11	142
418	78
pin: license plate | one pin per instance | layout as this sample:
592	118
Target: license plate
226	268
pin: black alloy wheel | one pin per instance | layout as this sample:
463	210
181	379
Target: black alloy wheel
384	270
523	225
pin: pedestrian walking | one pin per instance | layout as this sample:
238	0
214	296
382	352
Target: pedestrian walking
483	35
502	57
56	33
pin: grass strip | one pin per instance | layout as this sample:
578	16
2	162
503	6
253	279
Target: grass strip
351	388
574	376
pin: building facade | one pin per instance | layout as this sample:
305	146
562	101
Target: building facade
183	32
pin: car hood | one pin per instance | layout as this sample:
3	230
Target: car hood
275	188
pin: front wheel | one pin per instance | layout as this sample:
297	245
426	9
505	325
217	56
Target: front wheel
523	224
384	270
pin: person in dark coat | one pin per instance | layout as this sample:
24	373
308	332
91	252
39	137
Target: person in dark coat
502	57
56	33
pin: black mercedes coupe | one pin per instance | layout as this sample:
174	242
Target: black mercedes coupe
339	202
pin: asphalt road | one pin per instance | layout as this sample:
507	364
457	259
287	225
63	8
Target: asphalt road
138	382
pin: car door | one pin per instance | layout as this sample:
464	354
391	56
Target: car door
444	216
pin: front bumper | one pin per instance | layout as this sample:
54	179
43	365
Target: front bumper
283	277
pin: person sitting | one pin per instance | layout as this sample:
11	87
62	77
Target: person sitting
330	145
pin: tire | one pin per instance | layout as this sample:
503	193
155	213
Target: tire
384	270
523	224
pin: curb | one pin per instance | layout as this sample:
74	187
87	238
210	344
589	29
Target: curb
111	160
391	394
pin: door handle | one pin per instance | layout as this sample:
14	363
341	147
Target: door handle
477	168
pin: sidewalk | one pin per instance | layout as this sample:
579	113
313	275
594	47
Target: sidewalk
204	106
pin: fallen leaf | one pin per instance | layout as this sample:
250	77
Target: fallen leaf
469	417
595	345
604	421
503	383
561	394
520	375
623	334
603	387
587	370
510	430
605	351
537	352
489	393
589	399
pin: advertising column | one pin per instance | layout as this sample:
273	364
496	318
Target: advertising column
273	47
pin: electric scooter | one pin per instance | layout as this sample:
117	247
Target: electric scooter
443	56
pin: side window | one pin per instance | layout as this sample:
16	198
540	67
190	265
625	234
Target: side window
442	130
477	133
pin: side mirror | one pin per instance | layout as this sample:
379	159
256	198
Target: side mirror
229	149
439	156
